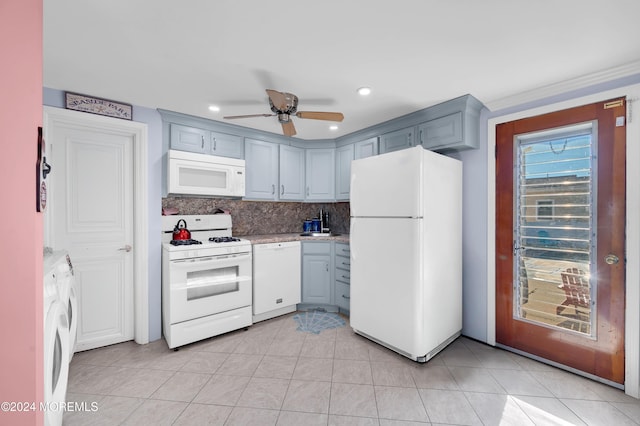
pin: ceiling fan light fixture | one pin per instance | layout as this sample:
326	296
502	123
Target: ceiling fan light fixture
364	91
283	105
284	118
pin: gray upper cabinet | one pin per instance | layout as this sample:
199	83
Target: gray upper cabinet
366	148
452	125
292	175
226	145
320	174
395	141
193	139
184	138
442	132
261	169
344	156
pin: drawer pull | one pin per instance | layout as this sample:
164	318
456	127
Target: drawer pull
345	297
345	277
346	264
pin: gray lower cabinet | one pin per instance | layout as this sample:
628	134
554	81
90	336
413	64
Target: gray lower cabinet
395	141
316	272
342	276
193	139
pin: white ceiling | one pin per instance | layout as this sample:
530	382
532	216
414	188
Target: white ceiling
186	55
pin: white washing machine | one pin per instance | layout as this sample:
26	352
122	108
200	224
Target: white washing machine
56	340
67	289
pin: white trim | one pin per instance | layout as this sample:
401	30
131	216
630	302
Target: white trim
565	86
139	132
632	312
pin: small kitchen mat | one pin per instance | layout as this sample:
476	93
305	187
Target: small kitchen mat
316	321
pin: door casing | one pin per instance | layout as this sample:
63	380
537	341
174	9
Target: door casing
139	132
632	296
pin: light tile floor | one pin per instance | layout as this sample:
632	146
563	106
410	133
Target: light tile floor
275	375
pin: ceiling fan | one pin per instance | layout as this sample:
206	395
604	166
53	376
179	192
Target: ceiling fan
284	105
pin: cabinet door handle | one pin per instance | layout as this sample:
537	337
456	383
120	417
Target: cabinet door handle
214	143
307	191
326	265
282	190
409	139
421	141
273	188
202	143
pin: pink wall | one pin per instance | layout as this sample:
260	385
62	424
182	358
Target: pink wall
21	357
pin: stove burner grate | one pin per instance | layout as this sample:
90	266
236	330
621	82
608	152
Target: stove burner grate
223	239
184	242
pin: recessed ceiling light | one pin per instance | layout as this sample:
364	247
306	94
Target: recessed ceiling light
214	108
333	127
364	91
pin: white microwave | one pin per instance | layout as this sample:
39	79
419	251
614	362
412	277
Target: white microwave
190	173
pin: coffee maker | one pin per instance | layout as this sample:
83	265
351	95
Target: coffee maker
324	221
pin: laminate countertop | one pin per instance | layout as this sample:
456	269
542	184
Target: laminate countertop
280	238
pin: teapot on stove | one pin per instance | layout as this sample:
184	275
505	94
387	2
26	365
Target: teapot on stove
181	232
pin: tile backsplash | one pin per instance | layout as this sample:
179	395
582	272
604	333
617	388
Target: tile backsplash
264	217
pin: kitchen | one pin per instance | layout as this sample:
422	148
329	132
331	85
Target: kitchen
477	202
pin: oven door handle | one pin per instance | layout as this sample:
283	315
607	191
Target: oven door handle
239	280
212	259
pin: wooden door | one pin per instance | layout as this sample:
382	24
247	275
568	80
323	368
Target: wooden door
92	217
560	237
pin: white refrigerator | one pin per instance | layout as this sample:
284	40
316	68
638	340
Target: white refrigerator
406	251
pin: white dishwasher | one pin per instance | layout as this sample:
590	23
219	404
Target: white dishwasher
276	279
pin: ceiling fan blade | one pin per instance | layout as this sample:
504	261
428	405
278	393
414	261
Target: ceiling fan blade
248	116
278	99
288	128
317	115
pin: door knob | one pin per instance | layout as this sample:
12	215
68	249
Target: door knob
611	259
126	248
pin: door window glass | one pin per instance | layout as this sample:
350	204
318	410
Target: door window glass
553	232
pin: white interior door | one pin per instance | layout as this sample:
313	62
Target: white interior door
92	197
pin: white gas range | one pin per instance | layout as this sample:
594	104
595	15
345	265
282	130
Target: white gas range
206	282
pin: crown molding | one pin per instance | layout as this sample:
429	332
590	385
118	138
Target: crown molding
581	82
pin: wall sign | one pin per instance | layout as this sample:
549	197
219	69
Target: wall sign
97	106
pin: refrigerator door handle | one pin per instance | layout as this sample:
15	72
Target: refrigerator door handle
352	252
